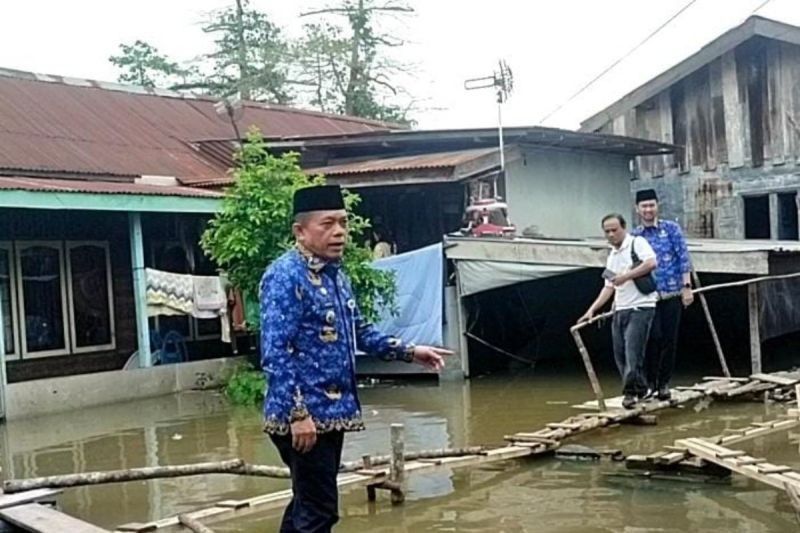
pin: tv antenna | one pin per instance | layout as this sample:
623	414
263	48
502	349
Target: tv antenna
502	81
232	107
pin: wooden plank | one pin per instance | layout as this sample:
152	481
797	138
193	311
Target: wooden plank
709	452
755	331
730	454
562	425
774	469
40	519
778	380
29	496
744	461
721	378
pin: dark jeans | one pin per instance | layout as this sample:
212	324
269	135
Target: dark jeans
663	343
629	331
315	498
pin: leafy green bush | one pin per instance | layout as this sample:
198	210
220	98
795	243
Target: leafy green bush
245	386
254	226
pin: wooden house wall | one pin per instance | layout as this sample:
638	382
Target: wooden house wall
737	121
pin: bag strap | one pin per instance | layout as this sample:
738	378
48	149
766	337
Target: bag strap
634	255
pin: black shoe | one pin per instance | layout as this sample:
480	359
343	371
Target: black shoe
664	393
628	401
647	395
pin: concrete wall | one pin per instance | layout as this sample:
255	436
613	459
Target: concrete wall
54	395
566	193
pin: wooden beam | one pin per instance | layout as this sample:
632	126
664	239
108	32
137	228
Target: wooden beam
40	519
755	332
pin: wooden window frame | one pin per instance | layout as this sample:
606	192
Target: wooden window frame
8	246
68	247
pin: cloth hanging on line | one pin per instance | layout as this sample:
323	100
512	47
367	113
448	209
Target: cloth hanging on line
202	297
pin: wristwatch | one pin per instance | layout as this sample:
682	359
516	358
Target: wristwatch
408	353
687	285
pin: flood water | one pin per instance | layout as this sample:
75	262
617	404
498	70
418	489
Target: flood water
539	495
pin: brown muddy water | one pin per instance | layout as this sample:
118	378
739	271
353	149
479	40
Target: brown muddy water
541	495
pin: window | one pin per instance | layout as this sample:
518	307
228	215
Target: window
89	290
8	300
787	216
756	217
56	298
42	299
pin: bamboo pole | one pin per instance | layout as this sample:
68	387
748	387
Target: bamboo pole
233	466
707	312
587	362
369	461
194	525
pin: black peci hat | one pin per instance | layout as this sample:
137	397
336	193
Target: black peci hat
646	194
319	198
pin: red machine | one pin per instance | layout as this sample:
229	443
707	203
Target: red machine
488	218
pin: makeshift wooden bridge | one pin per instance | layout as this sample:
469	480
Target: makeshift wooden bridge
603	413
521	445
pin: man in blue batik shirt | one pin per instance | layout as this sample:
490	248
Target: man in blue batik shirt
310	329
674	284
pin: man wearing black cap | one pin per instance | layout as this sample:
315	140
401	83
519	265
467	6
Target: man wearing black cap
310	329
673	281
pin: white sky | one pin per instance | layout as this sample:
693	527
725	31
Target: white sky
553	46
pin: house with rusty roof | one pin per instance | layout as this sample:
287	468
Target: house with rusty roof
733	108
97	183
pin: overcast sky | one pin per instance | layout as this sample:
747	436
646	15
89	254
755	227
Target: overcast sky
553	47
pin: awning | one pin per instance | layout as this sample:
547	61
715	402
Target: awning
47	193
479	276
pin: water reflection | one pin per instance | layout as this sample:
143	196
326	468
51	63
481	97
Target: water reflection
541	495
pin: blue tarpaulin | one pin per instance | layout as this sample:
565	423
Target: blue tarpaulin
420	278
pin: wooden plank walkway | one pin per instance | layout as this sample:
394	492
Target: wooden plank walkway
759	469
522	444
37	518
29	496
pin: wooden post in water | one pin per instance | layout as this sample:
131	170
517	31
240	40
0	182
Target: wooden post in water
755	333
397	466
707	312
587	362
371	492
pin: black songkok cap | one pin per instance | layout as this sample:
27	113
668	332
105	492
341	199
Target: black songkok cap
645	195
319	198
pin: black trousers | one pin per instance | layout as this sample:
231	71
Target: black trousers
314	507
660	360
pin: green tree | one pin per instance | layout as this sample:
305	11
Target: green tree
142	64
251	56
253	227
351	66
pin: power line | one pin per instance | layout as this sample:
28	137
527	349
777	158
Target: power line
761	6
621	59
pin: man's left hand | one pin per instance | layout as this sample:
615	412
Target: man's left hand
687	297
620	279
431	357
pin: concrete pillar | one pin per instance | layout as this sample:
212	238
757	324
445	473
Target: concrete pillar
139	289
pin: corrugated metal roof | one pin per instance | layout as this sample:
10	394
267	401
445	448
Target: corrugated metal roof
101	187
50	124
414	162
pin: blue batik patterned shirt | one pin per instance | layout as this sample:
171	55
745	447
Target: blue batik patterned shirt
310	327
666	239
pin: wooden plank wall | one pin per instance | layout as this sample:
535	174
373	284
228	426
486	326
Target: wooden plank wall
742	109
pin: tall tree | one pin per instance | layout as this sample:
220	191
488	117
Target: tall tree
142	64
251	56
354	63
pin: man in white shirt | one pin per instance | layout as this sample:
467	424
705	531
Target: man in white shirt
633	309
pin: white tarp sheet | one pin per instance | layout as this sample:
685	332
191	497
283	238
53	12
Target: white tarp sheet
479	276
